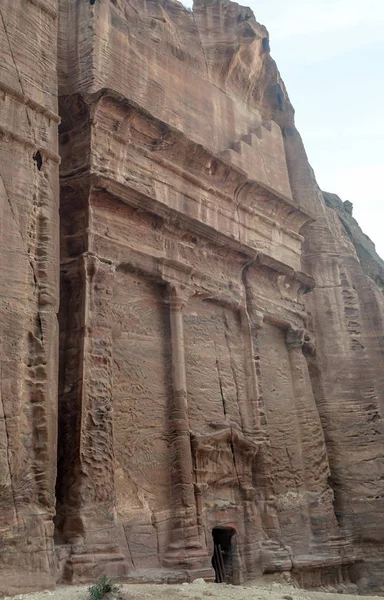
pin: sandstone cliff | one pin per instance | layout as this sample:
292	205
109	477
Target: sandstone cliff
221	343
29	291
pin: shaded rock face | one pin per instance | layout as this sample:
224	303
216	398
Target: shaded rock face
220	383
29	292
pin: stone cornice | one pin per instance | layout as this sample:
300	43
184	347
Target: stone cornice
7	134
191	148
29	102
136	199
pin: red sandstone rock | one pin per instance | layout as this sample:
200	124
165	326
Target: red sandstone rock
29	292
221	321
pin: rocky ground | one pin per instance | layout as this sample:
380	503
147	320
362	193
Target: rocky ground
266	589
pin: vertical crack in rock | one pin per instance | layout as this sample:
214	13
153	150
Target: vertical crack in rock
16	68
11	207
19	231
30	260
220	382
8	442
201	43
130	552
233	452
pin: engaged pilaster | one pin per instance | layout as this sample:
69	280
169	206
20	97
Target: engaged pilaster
313	451
186	545
87	509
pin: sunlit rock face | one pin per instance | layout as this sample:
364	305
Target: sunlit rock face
220	384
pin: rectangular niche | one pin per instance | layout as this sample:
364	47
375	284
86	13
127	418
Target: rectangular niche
284	433
216	374
280	405
141	392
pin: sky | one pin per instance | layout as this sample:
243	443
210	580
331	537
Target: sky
330	54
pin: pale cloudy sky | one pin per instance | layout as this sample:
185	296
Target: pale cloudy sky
331	56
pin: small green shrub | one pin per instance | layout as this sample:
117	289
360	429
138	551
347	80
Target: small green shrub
104	586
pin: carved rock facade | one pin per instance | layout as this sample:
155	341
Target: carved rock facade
221	321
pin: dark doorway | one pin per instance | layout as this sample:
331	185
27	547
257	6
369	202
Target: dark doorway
222	559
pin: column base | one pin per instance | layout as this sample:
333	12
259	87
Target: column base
90	550
87	563
27	556
274	558
21	581
190	558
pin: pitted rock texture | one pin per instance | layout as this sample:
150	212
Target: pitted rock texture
29	292
220	344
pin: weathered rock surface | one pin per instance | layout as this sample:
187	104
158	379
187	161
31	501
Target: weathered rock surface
347	311
221	343
370	261
29	291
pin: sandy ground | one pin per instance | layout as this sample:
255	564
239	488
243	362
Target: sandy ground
198	590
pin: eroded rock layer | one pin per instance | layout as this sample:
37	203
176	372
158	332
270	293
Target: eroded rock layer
221	376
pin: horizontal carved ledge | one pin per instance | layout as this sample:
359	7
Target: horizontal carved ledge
27	143
168	135
253	187
150	267
282	320
226	197
138	200
29	102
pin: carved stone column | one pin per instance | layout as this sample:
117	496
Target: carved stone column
251	419
313	451
186	548
263	508
306	410
294	339
87	508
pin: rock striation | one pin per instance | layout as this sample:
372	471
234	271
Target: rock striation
210	403
29	291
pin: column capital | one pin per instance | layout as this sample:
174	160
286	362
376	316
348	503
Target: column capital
309	343
295	337
178	295
300	337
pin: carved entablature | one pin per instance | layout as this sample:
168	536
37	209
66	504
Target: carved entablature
171	262
225	458
207	189
260	199
275	296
